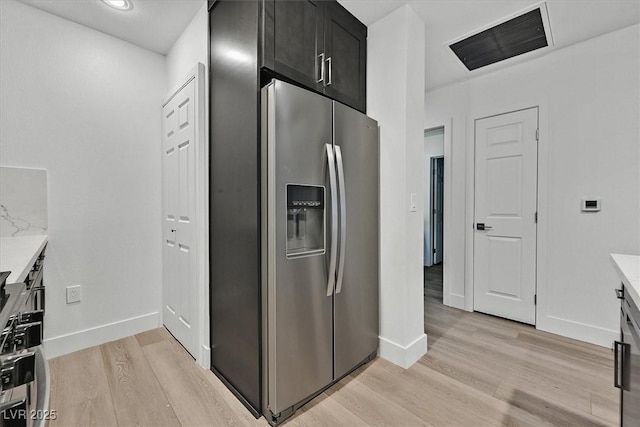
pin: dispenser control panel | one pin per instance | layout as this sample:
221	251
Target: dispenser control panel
305	220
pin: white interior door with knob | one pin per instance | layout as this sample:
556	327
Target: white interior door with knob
504	251
179	303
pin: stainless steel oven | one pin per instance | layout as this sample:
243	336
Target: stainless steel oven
24	373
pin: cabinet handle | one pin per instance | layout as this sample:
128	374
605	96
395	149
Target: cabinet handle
330	71
39	301
321	56
620	360
616	364
620	293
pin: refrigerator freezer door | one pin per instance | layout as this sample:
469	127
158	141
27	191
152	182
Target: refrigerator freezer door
356	306
298	310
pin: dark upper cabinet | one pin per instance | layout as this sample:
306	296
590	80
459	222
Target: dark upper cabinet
345	47
292	40
317	44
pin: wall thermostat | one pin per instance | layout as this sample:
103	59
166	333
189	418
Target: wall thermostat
590	205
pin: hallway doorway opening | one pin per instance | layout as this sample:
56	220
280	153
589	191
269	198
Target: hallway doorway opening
434	209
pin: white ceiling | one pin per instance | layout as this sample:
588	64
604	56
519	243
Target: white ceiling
152	24
571	21
156	24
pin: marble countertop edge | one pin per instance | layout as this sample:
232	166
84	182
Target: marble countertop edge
17	254
628	268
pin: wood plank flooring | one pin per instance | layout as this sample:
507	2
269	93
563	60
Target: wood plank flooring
479	371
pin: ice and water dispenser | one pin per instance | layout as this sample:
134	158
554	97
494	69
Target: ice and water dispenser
305	220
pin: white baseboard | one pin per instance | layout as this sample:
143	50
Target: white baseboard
456	301
577	330
205	357
403	356
63	344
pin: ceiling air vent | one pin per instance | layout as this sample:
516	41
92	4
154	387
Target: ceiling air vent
524	33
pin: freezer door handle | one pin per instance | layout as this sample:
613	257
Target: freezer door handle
343	218
334	220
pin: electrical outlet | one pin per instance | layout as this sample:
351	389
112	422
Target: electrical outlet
74	294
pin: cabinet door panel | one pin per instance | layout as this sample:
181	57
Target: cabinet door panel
345	42
630	378
293	39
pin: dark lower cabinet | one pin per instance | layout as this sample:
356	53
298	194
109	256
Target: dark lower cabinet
627	363
319	45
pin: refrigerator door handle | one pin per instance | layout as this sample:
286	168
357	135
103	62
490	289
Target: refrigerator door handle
343	218
334	220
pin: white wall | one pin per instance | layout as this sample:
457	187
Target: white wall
433	147
86	107
589	147
395	97
189	49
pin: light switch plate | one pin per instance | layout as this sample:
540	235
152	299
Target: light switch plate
413	207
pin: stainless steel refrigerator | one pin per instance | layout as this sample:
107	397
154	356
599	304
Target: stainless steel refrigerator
319	244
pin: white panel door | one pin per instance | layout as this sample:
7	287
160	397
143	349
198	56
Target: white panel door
179	304
504	257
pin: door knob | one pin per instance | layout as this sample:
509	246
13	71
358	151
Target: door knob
482	226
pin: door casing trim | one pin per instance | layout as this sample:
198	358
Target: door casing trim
448	298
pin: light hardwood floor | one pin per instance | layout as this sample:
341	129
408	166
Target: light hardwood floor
479	371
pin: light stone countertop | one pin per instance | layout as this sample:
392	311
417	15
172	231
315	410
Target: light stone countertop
628	267
17	255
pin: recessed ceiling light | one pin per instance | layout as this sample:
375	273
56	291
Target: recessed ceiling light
119	4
